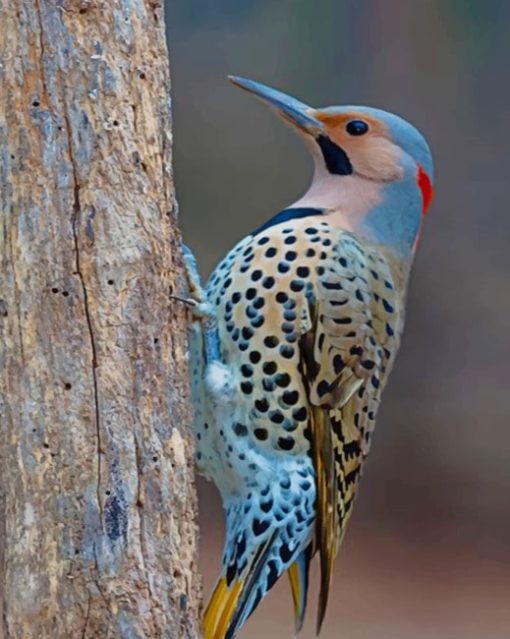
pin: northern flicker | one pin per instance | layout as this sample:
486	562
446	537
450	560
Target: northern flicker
295	335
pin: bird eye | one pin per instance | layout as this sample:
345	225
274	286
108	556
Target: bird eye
356	127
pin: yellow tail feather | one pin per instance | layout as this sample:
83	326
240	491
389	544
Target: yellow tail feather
295	586
221	609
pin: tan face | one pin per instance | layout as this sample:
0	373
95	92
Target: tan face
372	154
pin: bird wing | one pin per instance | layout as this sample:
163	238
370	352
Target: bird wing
353	322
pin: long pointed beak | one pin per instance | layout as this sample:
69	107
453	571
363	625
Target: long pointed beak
292	110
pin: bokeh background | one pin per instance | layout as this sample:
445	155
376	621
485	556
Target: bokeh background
427	553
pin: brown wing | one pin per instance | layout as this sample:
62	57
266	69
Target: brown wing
354	322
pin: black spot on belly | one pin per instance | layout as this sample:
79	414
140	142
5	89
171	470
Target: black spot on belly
262	405
297	286
260	433
260	526
300	414
282	380
285	553
269	368
240	429
285	485
267	505
290	397
286	443
276	417
303	271
272	575
268	384
271	341
287	351
257	322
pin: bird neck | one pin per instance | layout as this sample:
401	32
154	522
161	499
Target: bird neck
384	213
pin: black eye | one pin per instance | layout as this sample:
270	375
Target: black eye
356	127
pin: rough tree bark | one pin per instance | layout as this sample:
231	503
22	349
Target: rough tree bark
97	504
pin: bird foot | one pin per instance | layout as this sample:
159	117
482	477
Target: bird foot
201	309
197	301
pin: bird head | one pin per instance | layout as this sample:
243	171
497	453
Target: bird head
371	165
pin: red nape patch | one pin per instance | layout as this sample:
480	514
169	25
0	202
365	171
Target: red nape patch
425	185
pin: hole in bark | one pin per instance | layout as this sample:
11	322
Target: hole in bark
115	123
46	445
83	10
76	551
12	157
34	430
68	386
156	340
110	282
65	293
54	290
142	76
144	166
107	492
139	503
169	213
154	459
177	574
36	103
6	313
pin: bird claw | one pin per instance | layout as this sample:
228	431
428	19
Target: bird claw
197	302
201	310
192	276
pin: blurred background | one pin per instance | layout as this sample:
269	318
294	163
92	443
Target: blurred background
427	553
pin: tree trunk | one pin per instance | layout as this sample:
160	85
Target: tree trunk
97	503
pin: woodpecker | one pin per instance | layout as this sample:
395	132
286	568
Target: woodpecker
292	342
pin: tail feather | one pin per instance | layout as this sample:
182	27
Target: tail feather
220	609
249	597
298	576
231	605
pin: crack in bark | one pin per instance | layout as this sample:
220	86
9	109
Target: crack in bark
141	534
87	617
45	95
74	225
17	300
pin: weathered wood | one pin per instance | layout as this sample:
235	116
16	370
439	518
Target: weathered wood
97	504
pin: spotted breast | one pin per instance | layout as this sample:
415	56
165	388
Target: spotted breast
308	325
